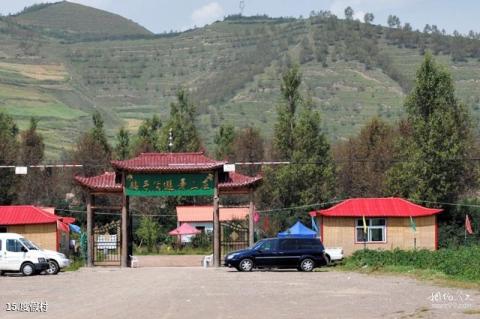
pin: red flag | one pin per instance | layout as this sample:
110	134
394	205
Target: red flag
256	217
468	225
266	224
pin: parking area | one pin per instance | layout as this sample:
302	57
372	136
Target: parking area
194	292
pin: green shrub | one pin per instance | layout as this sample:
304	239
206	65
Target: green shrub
461	263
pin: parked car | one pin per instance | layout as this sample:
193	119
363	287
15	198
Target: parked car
303	254
333	254
17	254
56	261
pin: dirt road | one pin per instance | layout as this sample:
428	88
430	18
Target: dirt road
194	292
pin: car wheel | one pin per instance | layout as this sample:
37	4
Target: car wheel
53	267
328	260
245	265
27	269
2	273
307	264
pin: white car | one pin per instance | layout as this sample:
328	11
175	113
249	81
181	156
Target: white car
56	260
333	254
17	254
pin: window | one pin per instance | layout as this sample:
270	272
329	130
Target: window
14	245
3	229
288	244
376	230
267	245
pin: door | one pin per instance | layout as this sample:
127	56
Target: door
288	252
266	254
14	254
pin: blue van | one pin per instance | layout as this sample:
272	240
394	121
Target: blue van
304	254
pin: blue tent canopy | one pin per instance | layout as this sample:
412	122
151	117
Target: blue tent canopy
298	230
75	228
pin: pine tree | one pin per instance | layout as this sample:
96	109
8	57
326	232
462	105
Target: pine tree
310	178
33	188
182	126
8	155
92	149
122	150
285	125
435	146
224	142
148	136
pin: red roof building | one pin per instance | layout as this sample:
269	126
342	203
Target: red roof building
168	162
48	230
378	223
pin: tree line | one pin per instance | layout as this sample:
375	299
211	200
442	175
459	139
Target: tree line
427	157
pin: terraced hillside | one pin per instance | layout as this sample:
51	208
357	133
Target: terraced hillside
232	69
71	20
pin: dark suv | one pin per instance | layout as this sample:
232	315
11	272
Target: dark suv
301	253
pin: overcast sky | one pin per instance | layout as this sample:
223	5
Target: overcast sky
165	15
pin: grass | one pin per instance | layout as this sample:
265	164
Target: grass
449	267
76	264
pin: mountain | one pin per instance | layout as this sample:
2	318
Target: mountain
75	21
352	71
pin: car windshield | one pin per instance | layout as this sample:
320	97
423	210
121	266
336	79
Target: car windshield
28	244
257	244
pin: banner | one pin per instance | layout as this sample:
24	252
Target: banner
151	185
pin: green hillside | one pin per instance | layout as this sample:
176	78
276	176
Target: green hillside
75	21
352	71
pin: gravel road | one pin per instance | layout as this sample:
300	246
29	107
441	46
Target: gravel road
194	292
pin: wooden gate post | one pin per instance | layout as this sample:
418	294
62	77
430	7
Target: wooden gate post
216	226
124	242
250	219
89	230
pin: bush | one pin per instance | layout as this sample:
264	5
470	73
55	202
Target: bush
461	263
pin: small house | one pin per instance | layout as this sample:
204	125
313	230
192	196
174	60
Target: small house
37	224
378	223
201	217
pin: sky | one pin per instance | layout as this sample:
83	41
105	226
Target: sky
165	15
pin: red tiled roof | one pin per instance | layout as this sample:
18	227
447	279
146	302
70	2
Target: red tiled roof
237	180
205	213
104	182
23	215
376	207
168	162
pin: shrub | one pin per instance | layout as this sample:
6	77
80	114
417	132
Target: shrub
462	263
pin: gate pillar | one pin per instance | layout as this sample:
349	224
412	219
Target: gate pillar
216	226
89	230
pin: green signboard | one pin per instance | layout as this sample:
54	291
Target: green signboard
169	185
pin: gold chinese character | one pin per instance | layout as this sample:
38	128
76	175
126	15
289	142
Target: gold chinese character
145	185
134	185
182	184
158	186
129	177
206	181
168	185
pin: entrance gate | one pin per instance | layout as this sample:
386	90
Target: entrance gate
107	244
233	236
164	175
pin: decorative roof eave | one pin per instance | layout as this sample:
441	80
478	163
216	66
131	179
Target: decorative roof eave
239	184
236	183
100	183
169	162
